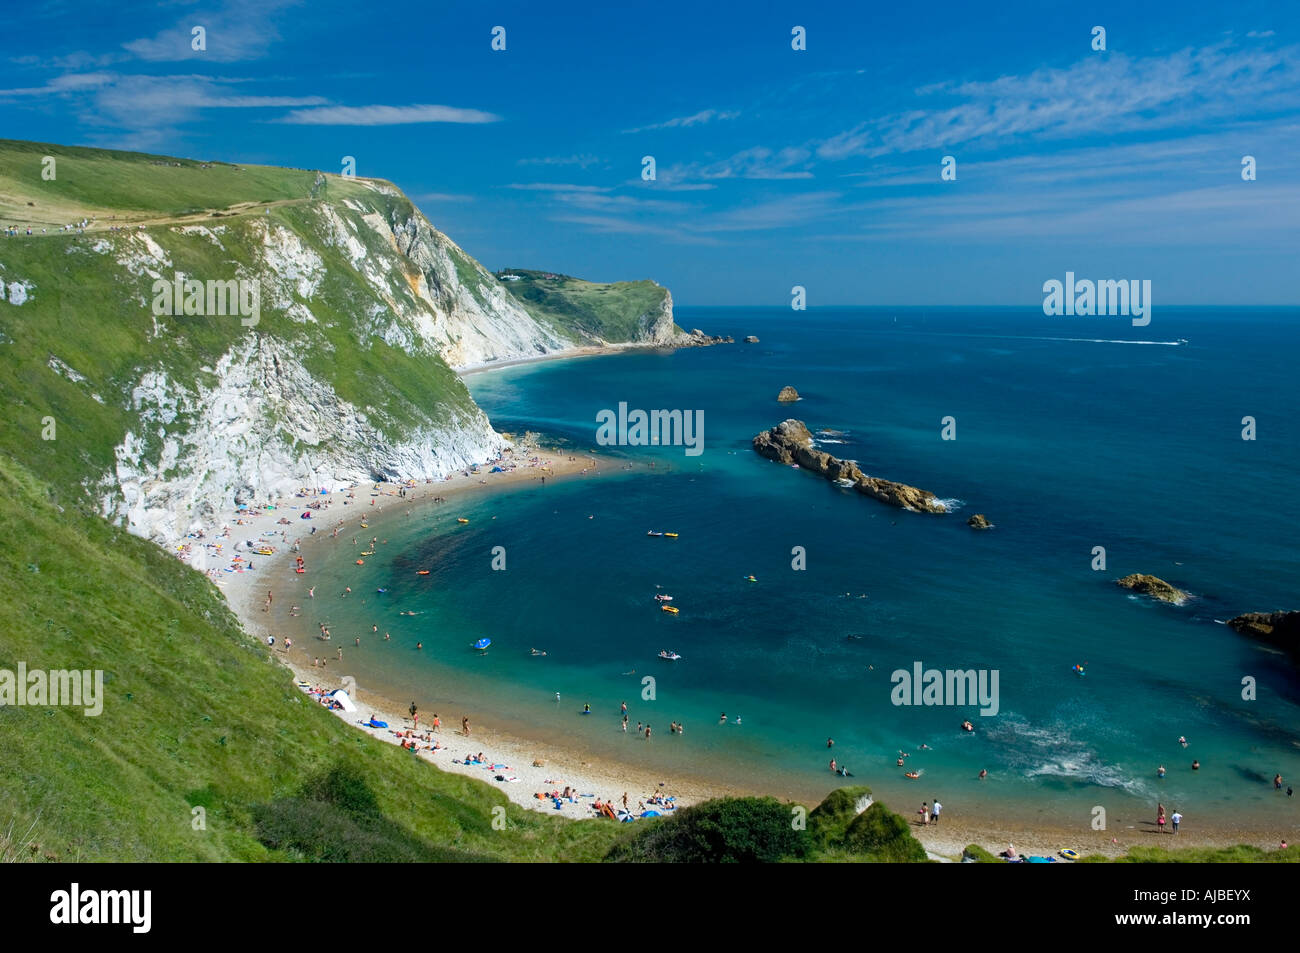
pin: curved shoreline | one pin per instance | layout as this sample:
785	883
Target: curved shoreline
566	764
562	763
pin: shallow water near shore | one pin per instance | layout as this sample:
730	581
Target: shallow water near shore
1065	445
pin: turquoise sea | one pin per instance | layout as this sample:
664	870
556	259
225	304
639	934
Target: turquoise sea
1069	435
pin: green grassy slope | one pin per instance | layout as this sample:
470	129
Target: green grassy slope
135	186
196	714
593	312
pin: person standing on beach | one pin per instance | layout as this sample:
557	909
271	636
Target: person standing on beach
647	732
1175	818
464	725
415	714
625	722
269	597
934	812
624	706
925	814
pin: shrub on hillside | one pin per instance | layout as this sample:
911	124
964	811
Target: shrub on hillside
831	818
880	835
742	830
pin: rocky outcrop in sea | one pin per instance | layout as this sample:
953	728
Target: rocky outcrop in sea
1154	587
787	394
1279	629
979	521
791	442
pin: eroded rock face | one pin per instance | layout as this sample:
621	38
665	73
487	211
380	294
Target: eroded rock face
1154	587
787	394
697	338
791	442
1280	629
979	521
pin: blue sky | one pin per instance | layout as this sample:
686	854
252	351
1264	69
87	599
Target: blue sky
775	167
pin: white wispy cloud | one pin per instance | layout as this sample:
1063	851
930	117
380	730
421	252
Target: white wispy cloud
758	162
385	115
1109	95
557	187
685	122
237	30
581	161
441	197
612	225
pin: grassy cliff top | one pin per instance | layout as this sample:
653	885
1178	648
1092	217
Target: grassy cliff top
138	187
616	311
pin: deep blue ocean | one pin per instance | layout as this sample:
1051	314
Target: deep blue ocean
1070	435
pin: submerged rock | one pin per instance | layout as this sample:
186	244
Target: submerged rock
788	393
979	521
791	442
1154	587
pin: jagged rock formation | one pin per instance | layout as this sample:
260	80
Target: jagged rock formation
787	394
697	338
979	521
791	442
1154	587
1279	629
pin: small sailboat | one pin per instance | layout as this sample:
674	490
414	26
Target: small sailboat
482	644
668	656
667	608
653	533
663	598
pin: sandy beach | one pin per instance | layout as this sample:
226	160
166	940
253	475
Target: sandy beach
529	767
